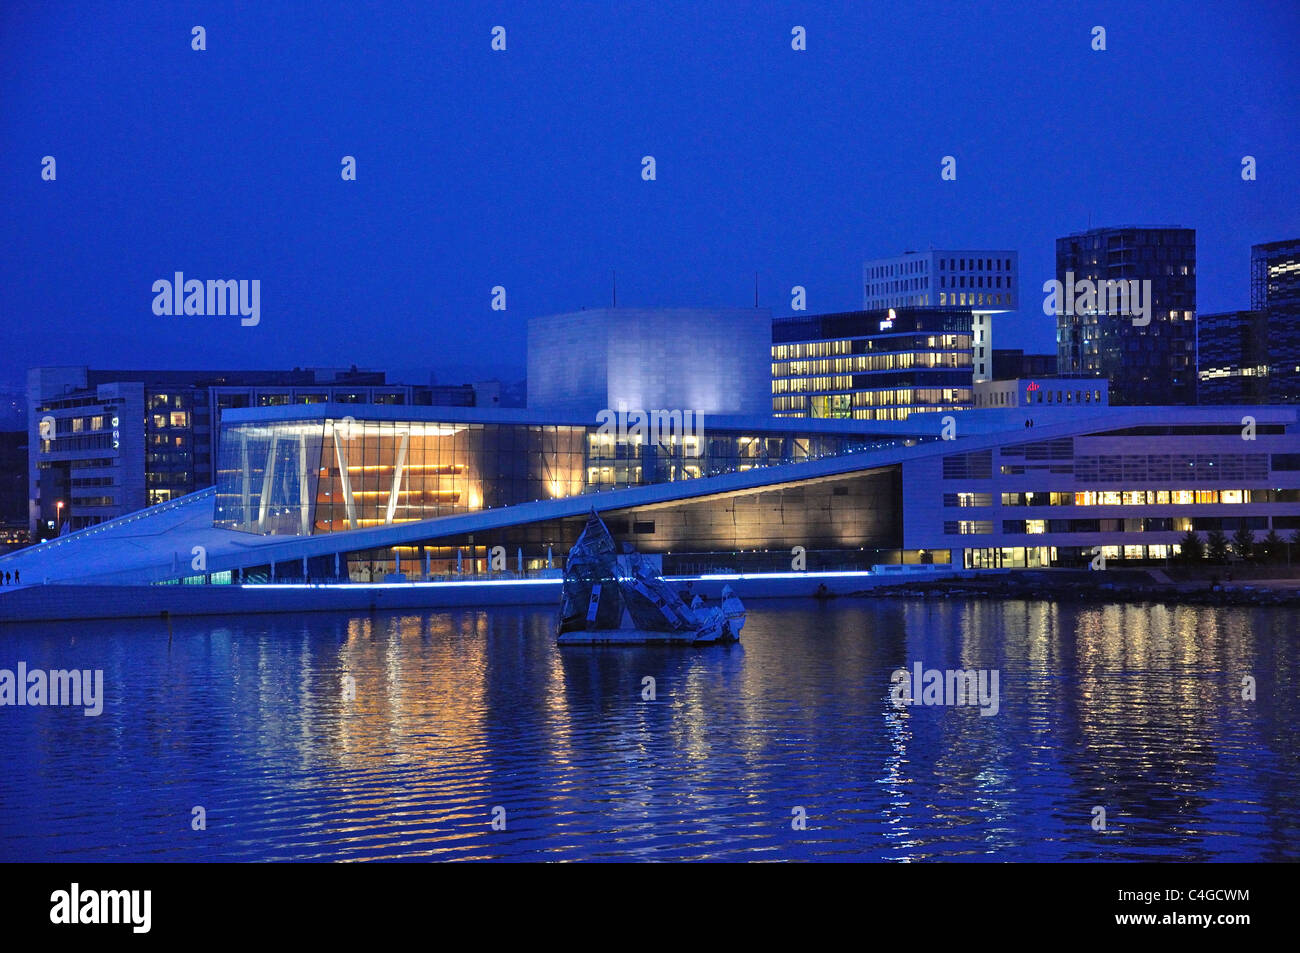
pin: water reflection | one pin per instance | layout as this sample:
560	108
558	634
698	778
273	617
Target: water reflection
397	735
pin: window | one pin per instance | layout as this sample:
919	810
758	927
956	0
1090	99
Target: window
967	527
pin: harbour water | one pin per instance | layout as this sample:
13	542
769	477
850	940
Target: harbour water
406	735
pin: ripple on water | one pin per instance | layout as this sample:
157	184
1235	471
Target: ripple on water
455	716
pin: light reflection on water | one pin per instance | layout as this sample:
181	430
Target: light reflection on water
1137	709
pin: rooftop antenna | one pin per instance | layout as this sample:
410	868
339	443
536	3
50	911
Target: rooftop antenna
756	289
613	277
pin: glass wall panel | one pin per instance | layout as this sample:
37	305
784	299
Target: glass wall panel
267	477
336	475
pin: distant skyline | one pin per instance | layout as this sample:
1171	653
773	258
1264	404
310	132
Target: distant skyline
522	168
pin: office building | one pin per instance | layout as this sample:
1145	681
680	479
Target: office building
981	281
1233	358
1275	275
872	365
1275	290
1246	357
1148	357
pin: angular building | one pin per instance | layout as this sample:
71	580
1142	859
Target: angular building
872	365
312	470
1148	358
352	494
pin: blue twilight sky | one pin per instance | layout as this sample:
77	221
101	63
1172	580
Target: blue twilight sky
523	169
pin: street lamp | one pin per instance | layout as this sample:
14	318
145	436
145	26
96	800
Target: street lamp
58	523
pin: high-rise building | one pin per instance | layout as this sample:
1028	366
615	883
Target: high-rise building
983	282
1253	357
1232	358
1141	337
1275	290
872	365
1275	275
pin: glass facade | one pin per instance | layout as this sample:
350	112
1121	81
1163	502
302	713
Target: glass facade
1145	364
321	476
299	477
612	463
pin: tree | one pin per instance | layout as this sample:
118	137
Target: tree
1191	549
1216	547
1243	543
1271	548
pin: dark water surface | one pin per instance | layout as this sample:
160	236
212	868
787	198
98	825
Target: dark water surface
1137	709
